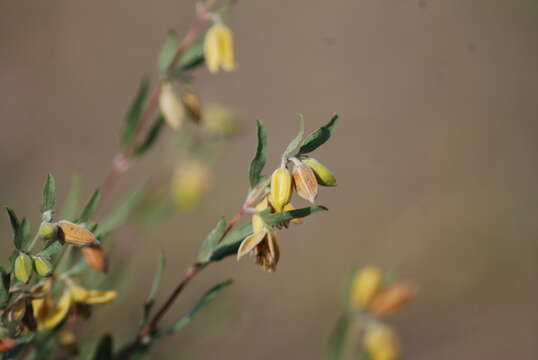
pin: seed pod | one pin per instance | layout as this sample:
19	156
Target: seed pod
365	286
23	267
191	104
392	299
170	107
42	266
96	257
323	175
47	230
75	234
280	188
305	181
381	343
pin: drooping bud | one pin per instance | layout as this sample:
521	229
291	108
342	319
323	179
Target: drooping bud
23	267
218	48
96	257
191	104
281	188
47	230
381	343
323	175
365	286
392	299
170	106
75	234
42	266
305	181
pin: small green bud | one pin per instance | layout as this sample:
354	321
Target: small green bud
42	266
323	175
23	267
47	230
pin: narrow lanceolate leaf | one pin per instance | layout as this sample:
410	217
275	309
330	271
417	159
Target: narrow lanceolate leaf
122	212
90	207
193	56
211	242
150	301
170	46
204	300
151	136
23	238
14	220
231	242
135	112
258	163
71	203
337	341
105	349
319	137
279	218
296	141
49	194
4	287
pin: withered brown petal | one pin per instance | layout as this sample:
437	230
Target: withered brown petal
96	257
75	234
250	243
306	183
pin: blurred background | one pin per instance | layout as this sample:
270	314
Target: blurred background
435	159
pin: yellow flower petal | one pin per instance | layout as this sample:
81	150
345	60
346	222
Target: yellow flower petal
78	293
59	313
211	49
96	297
250	243
365	286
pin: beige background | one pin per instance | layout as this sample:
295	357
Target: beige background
435	158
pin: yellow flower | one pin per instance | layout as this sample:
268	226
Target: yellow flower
91	297
48	314
381	343
219	49
365	286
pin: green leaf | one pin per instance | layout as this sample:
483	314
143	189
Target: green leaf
150	301
337	341
104	349
120	215
151	136
14	220
135	112
194	55
204	300
52	248
230	244
90	207
4	287
297	140
211	242
71	203
258	163
319	137
279	218
23	238
168	50
49	194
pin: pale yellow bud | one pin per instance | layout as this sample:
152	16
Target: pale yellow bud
392	299
219	120
218	48
365	286
23	267
42	266
47	230
305	181
381	343
191	181
281	188
171	108
323	175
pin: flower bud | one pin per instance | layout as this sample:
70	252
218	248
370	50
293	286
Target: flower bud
191	104
42	266
381	343
218	48
23	267
47	230
192	180
365	286
392	299
170	107
323	175
75	234
96	257
305	181
280	188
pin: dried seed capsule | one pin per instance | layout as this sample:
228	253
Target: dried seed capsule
23	267
381	343
191	104
280	188
323	175
392	299
47	230
305	181
171	107
96	257
42	266
365	286
75	234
